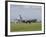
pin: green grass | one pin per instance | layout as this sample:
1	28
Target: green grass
25	27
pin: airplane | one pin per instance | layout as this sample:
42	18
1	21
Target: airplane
21	20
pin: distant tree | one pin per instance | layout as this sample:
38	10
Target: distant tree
34	20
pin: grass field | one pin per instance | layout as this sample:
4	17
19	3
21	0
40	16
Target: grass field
25	27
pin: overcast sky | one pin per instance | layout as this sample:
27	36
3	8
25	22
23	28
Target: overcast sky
26	11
